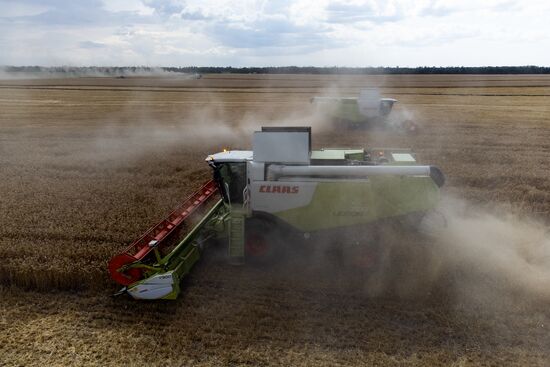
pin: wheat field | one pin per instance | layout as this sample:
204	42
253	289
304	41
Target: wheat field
88	164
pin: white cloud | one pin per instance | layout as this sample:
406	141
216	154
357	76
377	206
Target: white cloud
263	32
128	6
20	9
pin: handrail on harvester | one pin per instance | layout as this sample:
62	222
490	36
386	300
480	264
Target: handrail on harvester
157	237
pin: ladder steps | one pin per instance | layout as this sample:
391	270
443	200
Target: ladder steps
236	236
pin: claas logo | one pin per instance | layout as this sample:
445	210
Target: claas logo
281	189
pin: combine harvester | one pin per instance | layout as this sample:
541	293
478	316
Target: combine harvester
368	111
279	190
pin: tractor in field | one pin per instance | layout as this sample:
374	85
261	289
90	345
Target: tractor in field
367	111
260	201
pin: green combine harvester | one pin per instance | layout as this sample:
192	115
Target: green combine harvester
367	111
280	190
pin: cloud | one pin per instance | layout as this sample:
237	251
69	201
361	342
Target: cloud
19	8
91	44
270	32
443	8
74	13
165	7
264	26
262	32
423	37
359	12
437	10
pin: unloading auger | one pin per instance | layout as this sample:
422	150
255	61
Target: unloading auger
281	189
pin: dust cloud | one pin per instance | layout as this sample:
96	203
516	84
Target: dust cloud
403	118
479	258
38	72
497	247
206	129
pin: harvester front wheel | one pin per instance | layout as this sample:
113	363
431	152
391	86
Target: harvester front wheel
263	242
409	127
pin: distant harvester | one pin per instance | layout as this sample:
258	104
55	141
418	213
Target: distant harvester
368	110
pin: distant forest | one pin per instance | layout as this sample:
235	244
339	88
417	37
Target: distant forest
367	70
136	70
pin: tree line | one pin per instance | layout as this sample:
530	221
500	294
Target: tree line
529	69
122	70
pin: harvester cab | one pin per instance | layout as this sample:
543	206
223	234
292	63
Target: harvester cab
257	198
372	106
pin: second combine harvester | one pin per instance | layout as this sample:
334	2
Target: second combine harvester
282	187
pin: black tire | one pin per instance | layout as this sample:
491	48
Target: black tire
264	242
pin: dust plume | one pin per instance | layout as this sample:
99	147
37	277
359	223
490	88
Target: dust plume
39	72
203	129
403	117
475	255
504	250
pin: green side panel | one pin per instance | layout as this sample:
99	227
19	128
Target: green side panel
185	263
236	235
175	293
329	154
348	110
338	154
345	203
355	155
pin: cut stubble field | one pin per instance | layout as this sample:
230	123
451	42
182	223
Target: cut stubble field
89	163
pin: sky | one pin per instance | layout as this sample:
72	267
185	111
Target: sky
351	33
